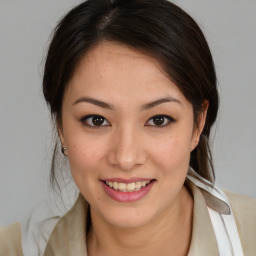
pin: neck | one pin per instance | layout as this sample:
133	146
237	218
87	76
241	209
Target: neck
170	232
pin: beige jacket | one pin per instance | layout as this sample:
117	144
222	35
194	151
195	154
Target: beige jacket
68	237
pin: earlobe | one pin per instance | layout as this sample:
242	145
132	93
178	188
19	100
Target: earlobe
60	133
201	119
194	144
62	140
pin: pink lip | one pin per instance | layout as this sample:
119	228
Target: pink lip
127	196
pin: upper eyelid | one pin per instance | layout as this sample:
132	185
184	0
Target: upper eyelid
166	116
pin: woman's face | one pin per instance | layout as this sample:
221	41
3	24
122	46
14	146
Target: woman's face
129	132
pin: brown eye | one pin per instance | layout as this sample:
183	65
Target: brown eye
159	121
95	121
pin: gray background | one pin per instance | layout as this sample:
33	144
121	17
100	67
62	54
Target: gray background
25	130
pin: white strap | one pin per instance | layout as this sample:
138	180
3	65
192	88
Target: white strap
224	244
224	225
207	186
229	223
232	231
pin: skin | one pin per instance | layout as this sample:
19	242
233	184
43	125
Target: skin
128	145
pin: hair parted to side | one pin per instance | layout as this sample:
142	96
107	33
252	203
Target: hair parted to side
155	27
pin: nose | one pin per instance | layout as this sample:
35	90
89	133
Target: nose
126	149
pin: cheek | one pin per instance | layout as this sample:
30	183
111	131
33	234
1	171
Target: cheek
84	155
85	164
174	150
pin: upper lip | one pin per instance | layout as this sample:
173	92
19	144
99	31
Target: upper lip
130	180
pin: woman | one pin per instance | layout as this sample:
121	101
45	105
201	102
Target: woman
132	88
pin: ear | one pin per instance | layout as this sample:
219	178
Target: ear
198	129
61	136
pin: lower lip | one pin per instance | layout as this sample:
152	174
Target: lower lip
127	196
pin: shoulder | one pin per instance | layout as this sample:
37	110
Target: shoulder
244	209
10	240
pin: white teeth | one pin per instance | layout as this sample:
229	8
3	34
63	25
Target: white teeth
138	185
115	185
127	187
130	187
122	187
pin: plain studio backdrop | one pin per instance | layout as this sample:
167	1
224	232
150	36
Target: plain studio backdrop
25	130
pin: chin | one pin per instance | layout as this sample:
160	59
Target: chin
128	221
128	217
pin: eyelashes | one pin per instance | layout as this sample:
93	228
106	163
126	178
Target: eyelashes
95	121
160	121
98	121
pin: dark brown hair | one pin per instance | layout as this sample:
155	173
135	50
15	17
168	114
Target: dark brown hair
155	27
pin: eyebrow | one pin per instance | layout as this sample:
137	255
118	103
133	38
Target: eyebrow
160	101
146	106
99	103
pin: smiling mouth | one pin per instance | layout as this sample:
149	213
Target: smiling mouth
127	187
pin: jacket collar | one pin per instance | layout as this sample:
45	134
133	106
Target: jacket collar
203	240
69	234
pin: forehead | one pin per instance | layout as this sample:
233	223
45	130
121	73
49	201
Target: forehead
111	58
109	50
114	70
